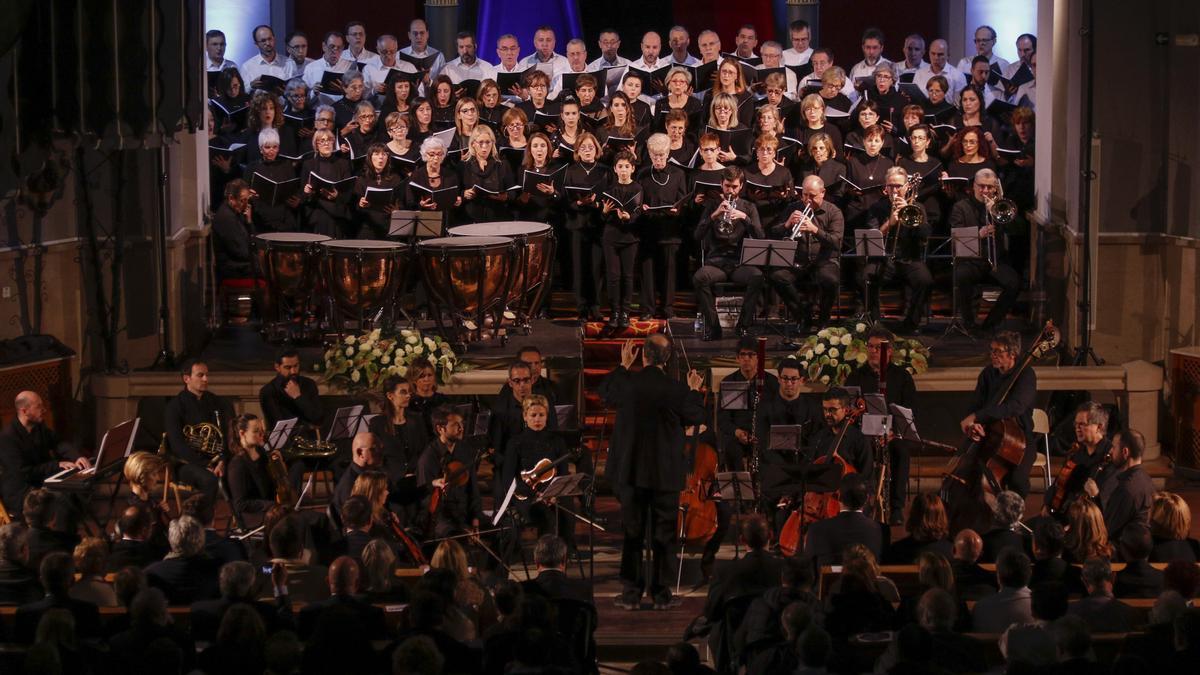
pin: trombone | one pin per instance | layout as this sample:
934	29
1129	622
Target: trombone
1001	211
909	215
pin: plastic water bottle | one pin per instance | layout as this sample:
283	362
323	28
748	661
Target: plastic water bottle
698	325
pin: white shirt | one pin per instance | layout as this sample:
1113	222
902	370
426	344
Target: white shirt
558	61
689	61
791	57
297	70
216	68
602	63
641	64
556	81
375	72
955	79
438	63
256	66
363	57
613	75
1028	89
314	71
480	70
964	64
902	68
862	69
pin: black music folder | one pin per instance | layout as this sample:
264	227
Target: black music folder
274	192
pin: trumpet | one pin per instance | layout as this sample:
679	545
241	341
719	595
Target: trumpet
805	217
724	224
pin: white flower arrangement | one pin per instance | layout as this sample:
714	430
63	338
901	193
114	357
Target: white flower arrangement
830	355
363	362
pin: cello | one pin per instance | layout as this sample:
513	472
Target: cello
697	521
976	475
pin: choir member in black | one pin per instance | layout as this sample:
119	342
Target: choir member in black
538	84
508	420
972	211
231	232
620	131
903	392
1087	454
922	161
402	151
490	109
223	164
398	99
973	114
377	174
867	115
789	407
737	426
679	97
402	440
664	189
906	247
590	106
768	184
853	447
866	170
818	226
432	175
682	150
251	488
487	180
767	121
646	460
443	103
1016	174
425	396
290	394
365	134
813	122
1125	491
1018	405
910	116
421	113
233	98
514	134
885	96
939	110
583	181
570	129
966	154
466	118
722	228
732	80
30	452
273	217
541	183
620	211
264	114
535	442
632	88
193	406
327	211
346	108
821	160
776	94
833	81
459	509
723	117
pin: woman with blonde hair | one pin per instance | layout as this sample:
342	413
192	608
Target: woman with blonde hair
469	593
1170	524
1086	535
731	80
488	179
723	117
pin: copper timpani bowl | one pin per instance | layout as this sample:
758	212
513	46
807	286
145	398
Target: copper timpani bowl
534	255
467	275
288	261
363	276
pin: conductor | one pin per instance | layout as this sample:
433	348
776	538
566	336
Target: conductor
646	460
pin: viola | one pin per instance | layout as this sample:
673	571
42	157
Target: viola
542	472
455	474
409	544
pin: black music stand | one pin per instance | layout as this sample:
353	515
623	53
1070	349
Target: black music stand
415	225
736	487
282	433
869	245
346	422
964	245
571	485
735	395
770	253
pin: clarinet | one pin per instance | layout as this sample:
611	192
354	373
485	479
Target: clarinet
884	483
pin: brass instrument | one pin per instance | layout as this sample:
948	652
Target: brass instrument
1001	211
806	216
306	448
724	224
909	215
206	439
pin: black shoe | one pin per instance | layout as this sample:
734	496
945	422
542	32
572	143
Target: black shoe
627	602
663	601
623	322
614	319
594	313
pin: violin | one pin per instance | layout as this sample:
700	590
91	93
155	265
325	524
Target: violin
542	473
454	474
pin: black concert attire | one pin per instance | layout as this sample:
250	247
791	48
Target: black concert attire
770	193
805	411
1018	182
446	180
404	165
251	489
867	173
646	466
330	217
1086	466
401	447
970	272
817	262
524	450
539	207
661	235
734	451
907	246
855	448
231	243
831	172
278	405
376	220
1126	497
492	184
188	409
422	407
745	106
721	262
854	145
26	459
584	231
273	217
929	194
459	505
693	108
293	122
1018	405
804	132
620	243
508	422
961	189
549	111
903	392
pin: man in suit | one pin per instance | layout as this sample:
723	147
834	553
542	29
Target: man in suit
1125	490
828	538
1099	608
1048	563
186	574
751	575
970	580
646	460
1139	579
552	581
356	526
57	573
1012	604
132	547
220	548
305	582
41	516
343	585
237	583
30	452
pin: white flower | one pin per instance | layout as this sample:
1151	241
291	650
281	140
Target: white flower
349	339
316	367
355	376
430	344
833	362
808	355
847	339
412	339
833	352
349	351
385	359
376	333
418	349
819	348
400	370
824	379
860	327
405	333
902	353
376	353
823	333
861	358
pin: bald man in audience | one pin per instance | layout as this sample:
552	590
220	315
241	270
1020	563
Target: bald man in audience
30	452
970	579
342	602
365	455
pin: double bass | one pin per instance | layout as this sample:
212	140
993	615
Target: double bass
975	477
697	521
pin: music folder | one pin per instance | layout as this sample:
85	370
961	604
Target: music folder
380	198
115	445
274	192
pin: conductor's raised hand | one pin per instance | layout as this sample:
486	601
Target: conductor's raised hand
694	380
628	353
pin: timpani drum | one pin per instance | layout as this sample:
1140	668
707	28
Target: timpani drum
467	278
363	276
535	243
288	261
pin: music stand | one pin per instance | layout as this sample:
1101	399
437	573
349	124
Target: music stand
282	433
736	487
735	395
414	225
869	245
876	421
345	423
964	244
769	253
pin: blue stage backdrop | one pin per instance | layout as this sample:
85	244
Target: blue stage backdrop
521	18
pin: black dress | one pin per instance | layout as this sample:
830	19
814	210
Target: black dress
493	185
330	217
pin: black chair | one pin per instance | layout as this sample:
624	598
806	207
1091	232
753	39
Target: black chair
731	620
577	625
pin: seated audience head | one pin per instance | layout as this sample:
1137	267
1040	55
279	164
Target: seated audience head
795	619
418	655
149	608
1072	638
14	544
550	553
442	581
1048	539
683	659
1097	575
1086	535
90	556
1049	600
199	507
128	582
286	538
755	533
365	451
1182	576
236	580
814	647
934	571
1010	508
378	566
1136	543
968	546
242	628
426	610
1170	518
134	523
927	519
57	573
450	555
283	653
343	576
798	573
1167	607
507	596
356	513
937	611
852	492
38	509
1013	569
185	534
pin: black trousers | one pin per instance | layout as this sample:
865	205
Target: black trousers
658	271
718	271
819	278
898	464
200	478
914	275
647	512
969	273
587	263
618	267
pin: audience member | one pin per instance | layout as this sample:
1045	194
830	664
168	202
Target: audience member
186	574
1011	604
148	622
1139	579
927	527
238	649
970	579
1008	530
89	566
1048	563
1170	524
380	583
306	582
18	585
237	582
1102	612
342	600
828	538
550	556
57	574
